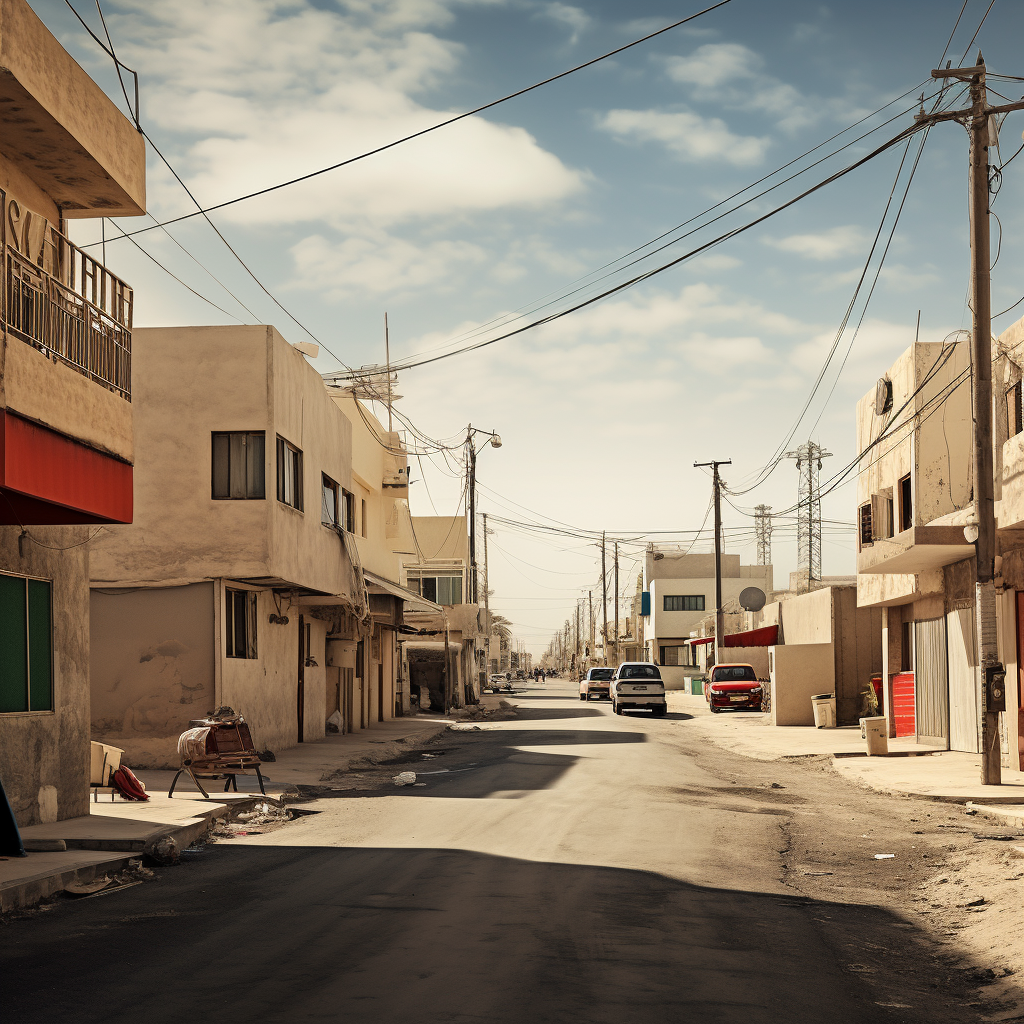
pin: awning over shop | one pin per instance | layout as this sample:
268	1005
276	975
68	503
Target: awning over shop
766	636
379	585
696	641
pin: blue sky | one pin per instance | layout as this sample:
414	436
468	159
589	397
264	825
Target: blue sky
604	412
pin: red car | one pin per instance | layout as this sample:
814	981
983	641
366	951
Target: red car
733	685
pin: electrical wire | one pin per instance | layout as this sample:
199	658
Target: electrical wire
201	211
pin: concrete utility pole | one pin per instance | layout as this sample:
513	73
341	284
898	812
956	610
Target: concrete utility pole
616	574
471	493
604	604
991	680
487	602
719	615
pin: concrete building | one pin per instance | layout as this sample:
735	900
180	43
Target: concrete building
66	448
915	494
244	578
435	564
678	592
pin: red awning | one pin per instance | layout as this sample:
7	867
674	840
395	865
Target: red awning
766	636
695	641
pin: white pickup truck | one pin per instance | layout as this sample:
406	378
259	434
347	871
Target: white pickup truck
638	684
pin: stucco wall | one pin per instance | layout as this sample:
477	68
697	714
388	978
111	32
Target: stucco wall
797	673
44	757
190	382
152	668
662	624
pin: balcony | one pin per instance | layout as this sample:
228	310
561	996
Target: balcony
919	549
69	306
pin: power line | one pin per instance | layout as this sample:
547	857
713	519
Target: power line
201	211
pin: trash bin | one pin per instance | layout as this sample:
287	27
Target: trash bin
876	732
824	705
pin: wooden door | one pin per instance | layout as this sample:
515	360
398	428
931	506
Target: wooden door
963	680
300	696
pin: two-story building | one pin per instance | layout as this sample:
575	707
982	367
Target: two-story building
242	580
678	592
66	445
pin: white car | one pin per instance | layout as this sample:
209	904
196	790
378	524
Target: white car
638	684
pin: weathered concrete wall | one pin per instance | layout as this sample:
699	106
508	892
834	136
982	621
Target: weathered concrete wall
857	634
807	619
44	756
152	668
756	657
442	536
797	673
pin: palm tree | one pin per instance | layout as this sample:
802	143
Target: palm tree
501	628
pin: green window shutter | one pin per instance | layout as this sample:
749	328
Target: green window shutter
40	646
13	644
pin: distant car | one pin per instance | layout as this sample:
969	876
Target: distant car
638	684
498	681
596	683
733	686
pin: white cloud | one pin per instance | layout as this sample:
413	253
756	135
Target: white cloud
822	245
689	136
574	17
326	85
378	264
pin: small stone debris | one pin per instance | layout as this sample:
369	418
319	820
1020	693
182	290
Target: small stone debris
777	785
884	856
405	779
980	902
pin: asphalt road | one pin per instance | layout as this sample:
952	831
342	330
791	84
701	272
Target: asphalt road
566	866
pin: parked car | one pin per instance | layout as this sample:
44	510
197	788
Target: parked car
596	683
733	685
498	682
638	684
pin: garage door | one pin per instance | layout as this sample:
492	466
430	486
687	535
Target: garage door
932	689
963	682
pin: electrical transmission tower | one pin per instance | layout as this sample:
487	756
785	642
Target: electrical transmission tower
763	529
808	523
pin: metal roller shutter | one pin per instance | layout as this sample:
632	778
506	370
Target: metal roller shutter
930	675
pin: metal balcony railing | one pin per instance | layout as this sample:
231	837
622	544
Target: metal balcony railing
70	306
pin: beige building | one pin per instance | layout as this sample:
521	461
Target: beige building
435	564
246	577
915	495
66	447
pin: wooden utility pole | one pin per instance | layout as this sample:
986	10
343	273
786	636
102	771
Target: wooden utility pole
616	576
979	121
719	615
604	604
590	633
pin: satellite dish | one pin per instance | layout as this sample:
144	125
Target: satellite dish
752	599
883	396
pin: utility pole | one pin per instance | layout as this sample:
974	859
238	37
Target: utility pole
487	603
471	494
387	363
590	633
979	122
763	530
604	603
719	616
616	574
808	522
579	645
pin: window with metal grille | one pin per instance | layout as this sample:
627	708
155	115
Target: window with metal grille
683	603
866	536
239	464
240	623
289	474
26	644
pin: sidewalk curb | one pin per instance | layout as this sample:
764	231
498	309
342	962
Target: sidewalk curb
386	751
24	892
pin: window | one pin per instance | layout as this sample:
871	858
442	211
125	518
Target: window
239	464
866	535
362	518
329	501
240	623
907	647
734	674
348	508
26	640
1014	413
289	474
906	504
683	603
638	672
441	589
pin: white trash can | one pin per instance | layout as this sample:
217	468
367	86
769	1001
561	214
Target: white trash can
876	732
824	705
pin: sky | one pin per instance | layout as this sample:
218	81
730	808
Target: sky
524	210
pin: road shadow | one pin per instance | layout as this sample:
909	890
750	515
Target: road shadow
431	936
553	714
